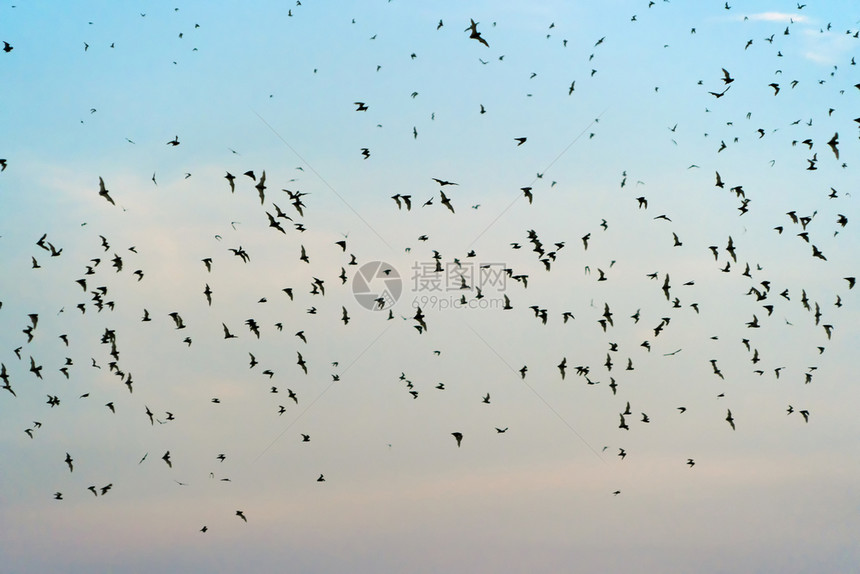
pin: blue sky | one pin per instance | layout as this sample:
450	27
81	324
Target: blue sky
97	89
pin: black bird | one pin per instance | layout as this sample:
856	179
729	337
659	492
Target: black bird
35	369
720	94
241	253
407	199
261	187
446	202
178	320
834	141
731	250
473	27
227	333
527	191
419	317
104	192
275	224
458	436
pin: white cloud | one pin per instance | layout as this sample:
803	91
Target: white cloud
776	17
826	48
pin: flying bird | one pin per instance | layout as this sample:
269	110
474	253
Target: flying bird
104	192
834	141
446	202
474	34
458	436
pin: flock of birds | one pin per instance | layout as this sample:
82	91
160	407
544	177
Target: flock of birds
96	298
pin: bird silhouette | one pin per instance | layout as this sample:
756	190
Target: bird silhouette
104	192
474	34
